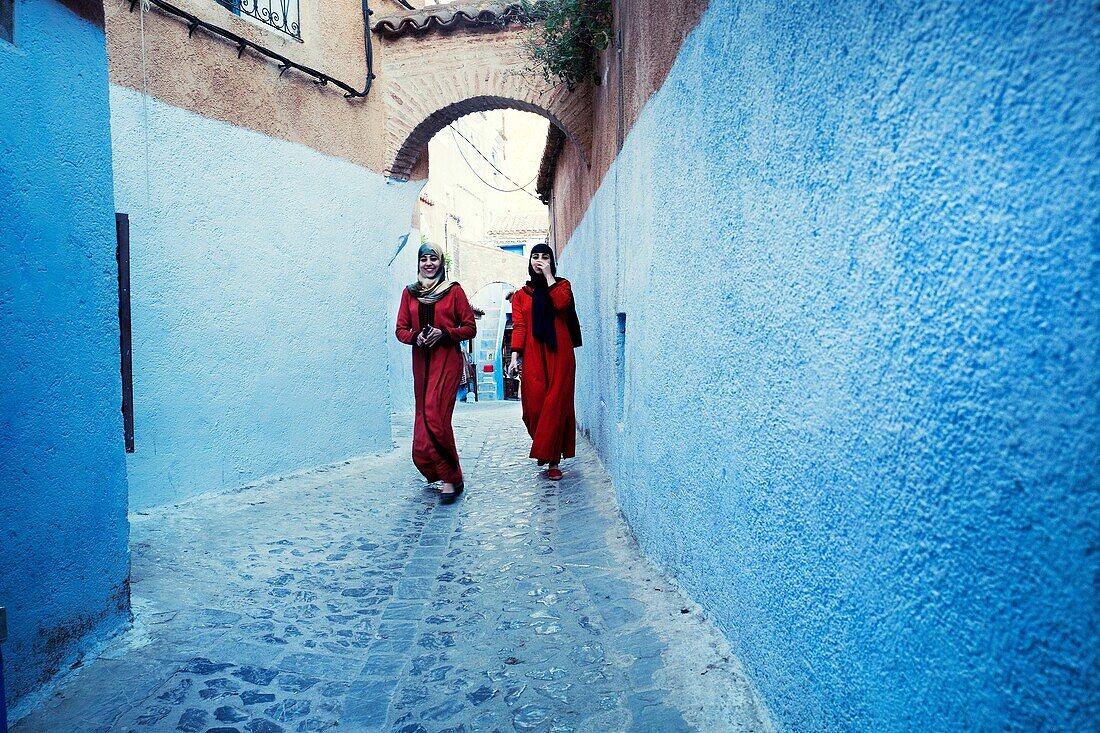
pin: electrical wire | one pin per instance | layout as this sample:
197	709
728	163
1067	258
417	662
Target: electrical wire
486	159
498	170
490	185
242	43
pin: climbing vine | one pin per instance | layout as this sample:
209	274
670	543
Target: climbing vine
566	37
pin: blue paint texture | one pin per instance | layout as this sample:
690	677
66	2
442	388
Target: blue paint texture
64	561
866	436
259	298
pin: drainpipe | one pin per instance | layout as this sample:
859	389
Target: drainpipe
3	697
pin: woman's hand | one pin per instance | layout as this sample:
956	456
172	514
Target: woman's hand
433	337
542	267
514	366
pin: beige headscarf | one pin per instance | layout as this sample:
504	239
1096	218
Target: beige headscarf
429	290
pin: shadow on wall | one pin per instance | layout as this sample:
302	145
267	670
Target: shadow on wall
402	271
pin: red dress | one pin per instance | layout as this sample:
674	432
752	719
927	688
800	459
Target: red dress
549	376
437	371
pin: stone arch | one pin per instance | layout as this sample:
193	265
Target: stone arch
477	287
404	160
430	78
494	281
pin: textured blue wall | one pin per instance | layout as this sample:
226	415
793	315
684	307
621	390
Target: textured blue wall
857	249
260	300
64	562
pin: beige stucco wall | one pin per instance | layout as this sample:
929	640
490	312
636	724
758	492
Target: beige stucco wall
203	74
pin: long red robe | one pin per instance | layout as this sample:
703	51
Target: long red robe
549	376
437	371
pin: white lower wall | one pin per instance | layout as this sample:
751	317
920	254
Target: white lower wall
260	300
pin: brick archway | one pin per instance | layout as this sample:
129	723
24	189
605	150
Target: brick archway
403	161
437	68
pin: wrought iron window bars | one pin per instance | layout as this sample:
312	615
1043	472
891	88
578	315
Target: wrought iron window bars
282	15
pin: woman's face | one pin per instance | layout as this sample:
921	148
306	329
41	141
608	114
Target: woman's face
429	265
540	262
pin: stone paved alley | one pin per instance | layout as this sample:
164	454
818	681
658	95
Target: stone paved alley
345	598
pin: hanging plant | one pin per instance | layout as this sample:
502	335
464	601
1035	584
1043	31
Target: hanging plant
566	37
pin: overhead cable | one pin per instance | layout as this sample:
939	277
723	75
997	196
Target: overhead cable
498	170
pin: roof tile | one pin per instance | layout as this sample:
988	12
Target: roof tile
448	17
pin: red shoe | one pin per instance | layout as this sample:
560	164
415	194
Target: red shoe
554	474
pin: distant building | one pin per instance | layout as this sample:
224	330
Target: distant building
517	233
481	193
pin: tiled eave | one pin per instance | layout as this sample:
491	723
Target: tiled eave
447	17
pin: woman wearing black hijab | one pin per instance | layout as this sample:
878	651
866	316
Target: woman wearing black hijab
545	332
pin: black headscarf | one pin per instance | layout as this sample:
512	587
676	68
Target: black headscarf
542	309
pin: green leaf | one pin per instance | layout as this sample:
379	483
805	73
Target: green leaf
566	36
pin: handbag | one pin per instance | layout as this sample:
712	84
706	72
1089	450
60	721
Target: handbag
464	380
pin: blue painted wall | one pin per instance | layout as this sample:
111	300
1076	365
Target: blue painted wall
64	562
260	300
867	437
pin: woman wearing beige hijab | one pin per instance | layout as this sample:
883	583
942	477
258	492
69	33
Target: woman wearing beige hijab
434	318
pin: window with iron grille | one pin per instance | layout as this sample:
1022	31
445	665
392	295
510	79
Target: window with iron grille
7	20
282	15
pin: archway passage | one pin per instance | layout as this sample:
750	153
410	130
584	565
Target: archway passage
442	65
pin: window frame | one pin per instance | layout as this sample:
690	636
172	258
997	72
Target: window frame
239	8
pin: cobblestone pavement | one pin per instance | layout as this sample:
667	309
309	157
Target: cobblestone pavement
346	598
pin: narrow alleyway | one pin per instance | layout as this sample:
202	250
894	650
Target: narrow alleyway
344	598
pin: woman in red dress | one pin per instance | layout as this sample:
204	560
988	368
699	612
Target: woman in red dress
434	317
545	332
